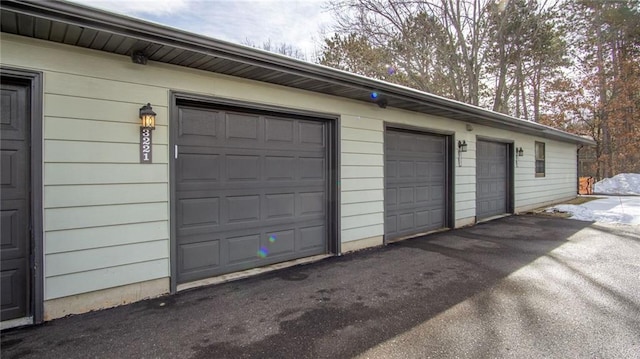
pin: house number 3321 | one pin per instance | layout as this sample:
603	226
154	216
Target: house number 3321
145	145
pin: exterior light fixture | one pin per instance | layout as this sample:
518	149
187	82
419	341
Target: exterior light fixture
138	57
147	117
147	124
519	153
462	147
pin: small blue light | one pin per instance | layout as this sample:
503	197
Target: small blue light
374	95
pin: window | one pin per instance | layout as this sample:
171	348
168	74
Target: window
540	159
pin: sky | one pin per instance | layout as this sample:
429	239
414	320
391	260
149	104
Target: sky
294	22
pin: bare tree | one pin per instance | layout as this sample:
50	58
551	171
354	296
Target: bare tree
438	45
281	48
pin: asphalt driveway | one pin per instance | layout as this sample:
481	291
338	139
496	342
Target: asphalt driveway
521	286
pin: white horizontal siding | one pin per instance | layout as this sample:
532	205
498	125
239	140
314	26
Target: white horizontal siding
362	172
102	173
362	135
83	282
98	152
353	209
91	259
57	128
365	159
362	183
85	108
95	216
115	91
362	196
362	147
100	195
560	177
358	184
362	220
70	240
362	232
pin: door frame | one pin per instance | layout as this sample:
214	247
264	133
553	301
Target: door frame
333	158
450	204
510	191
33	79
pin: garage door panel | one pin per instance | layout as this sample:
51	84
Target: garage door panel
415	183
243	248
312	133
423	218
199	211
492	185
280	205
405	142
390	197
241	127
312	237
406	169
391	224
278	168
422	194
258	188
406	195
437	195
198	123
312	168
422	169
278	242
391	169
242	208
242	168
199	167
279	130
200	255
311	203
406	221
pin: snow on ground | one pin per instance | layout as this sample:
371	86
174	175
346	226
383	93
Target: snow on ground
624	183
609	209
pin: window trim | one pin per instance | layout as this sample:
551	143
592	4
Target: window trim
543	159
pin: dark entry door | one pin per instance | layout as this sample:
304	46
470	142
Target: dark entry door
492	179
251	190
415	183
15	197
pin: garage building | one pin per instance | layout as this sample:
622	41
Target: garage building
255	159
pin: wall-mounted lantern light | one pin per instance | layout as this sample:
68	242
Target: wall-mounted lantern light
462	147
147	124
519	153
148	117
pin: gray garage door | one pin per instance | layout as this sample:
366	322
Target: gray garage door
415	183
492	184
14	195
251	190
